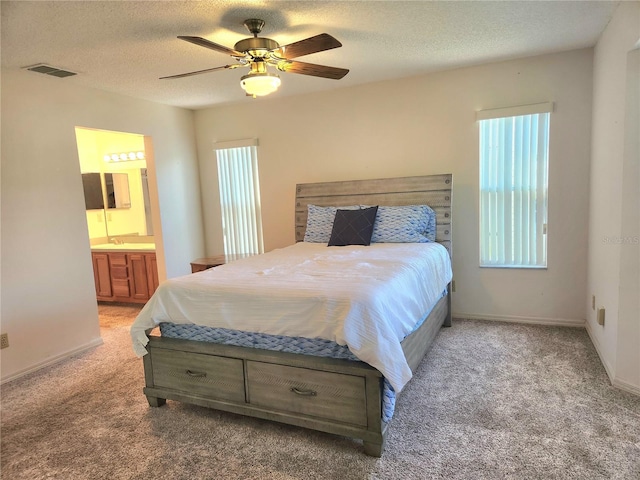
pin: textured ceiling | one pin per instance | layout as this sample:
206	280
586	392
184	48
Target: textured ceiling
125	46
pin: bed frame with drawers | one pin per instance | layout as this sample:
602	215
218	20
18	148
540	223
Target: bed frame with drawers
336	396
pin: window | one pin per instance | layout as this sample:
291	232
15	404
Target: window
514	160
240	197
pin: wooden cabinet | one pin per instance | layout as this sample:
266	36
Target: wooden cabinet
125	277
138	276
102	275
152	273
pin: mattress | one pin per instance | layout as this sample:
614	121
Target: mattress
365	298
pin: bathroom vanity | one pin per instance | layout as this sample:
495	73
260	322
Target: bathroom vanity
125	273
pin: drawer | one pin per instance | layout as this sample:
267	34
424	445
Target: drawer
120	288
214	377
119	272
117	259
327	395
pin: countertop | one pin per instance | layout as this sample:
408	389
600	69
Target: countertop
124	247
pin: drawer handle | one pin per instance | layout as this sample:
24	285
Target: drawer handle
196	374
305	393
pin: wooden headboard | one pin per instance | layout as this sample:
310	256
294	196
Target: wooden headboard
432	190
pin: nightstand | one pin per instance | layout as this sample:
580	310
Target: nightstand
208	262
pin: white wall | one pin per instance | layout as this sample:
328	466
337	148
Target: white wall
612	273
426	125
48	296
628	352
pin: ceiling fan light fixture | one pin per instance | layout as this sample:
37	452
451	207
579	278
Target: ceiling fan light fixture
260	84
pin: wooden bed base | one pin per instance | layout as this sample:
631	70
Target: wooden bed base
336	396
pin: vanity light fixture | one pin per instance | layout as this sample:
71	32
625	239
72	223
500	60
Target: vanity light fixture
124	157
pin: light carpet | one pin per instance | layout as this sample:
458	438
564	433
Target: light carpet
490	401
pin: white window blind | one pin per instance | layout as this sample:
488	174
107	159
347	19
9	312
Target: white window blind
240	197
514	164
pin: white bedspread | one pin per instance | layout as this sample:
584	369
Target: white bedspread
368	298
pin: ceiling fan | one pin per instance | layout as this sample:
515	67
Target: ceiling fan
258	52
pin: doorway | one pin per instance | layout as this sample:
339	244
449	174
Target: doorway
119	214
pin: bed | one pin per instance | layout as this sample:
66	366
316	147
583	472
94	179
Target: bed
344	396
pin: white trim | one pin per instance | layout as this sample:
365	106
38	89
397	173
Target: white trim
596	344
247	142
53	360
546	107
616	382
627	387
558	322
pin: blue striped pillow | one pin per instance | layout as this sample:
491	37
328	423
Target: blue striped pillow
405	224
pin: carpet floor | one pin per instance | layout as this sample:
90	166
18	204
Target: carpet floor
490	401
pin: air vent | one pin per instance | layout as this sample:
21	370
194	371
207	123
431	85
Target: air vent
49	70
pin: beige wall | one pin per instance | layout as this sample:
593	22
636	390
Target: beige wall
48	297
426	125
614	202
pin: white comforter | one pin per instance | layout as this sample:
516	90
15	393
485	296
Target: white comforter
368	298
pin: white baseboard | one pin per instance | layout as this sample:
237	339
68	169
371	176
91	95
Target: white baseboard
50	361
598	347
627	387
616	382
558	322
564	322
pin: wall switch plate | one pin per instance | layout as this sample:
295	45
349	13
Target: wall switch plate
4	340
601	316
593	302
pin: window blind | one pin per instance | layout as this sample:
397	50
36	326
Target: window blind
514	161
240	199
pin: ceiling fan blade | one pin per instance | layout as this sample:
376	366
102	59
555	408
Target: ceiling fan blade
203	42
319	43
201	71
303	68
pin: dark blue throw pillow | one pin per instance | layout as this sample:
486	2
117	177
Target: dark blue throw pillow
353	227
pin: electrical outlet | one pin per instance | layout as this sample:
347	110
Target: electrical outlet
4	340
593	302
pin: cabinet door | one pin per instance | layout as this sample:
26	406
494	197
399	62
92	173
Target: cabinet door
102	275
138	271
152	272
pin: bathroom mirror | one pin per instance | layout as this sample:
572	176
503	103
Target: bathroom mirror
92	185
117	190
128	209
